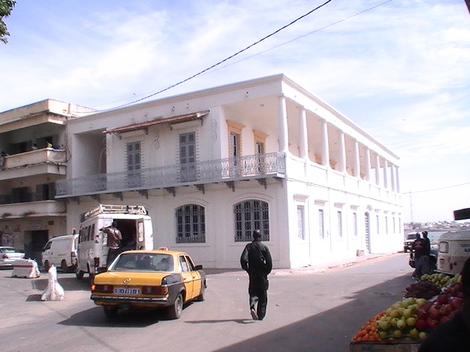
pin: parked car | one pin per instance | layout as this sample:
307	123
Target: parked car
8	255
149	279
61	252
409	239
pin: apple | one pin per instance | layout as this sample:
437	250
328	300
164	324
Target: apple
449	307
383	335
443	310
401	324
433	312
384	324
407	312
423	335
432	323
421	324
414	334
393	322
442	299
394	313
397	334
420	302
456	302
411	321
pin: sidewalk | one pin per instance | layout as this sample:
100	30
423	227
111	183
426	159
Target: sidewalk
308	269
330	265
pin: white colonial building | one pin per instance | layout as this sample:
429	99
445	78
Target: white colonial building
212	165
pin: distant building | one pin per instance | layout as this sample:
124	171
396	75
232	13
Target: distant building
32	139
213	165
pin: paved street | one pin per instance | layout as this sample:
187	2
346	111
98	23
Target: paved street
307	311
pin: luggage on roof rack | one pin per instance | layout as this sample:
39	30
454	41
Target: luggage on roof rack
114	209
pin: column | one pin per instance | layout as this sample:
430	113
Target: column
357	164
325	153
303	134
377	170
397	180
282	121
342	153
385	174
367	164
392	177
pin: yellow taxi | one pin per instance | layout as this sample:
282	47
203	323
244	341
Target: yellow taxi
149	279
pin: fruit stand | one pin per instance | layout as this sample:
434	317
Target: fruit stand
433	300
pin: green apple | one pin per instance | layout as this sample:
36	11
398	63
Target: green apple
394	313
384	324
398	334
401	324
411	321
414	334
407	312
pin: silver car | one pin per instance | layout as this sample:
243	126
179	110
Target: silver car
8	255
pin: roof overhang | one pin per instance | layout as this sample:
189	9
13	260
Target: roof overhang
160	121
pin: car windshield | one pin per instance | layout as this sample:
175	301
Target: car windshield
143	262
411	236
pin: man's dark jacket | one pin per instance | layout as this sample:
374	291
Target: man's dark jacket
256	259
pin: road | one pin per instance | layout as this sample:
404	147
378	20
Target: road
307	311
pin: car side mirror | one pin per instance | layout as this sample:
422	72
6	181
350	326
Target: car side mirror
198	267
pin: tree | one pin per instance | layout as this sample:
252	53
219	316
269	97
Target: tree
6	6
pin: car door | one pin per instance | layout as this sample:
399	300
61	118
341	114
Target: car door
196	275
188	277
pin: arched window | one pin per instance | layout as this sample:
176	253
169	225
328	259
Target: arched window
251	215
190	224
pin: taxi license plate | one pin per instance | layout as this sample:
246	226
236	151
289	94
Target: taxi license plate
126	291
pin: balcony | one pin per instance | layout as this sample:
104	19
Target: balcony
35	162
258	167
32	209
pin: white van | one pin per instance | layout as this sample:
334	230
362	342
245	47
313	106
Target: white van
133	222
61	252
454	250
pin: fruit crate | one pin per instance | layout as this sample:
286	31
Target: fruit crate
384	346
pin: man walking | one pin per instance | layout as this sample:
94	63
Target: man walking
257	262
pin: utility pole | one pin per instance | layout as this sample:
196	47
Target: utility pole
411	207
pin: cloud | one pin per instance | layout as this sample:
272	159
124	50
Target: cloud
399	70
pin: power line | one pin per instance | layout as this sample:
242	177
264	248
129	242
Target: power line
226	59
439	189
310	33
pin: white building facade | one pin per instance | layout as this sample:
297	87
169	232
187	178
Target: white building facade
213	165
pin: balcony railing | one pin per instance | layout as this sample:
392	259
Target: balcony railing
39	156
33	209
211	171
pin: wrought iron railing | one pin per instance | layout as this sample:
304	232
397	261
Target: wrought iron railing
198	173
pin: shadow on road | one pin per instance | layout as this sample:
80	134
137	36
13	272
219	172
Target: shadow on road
67	283
94	317
319	332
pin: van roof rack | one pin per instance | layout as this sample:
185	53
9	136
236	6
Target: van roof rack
114	209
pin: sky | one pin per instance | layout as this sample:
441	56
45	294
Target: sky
399	69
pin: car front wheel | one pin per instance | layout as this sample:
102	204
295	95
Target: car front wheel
174	311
